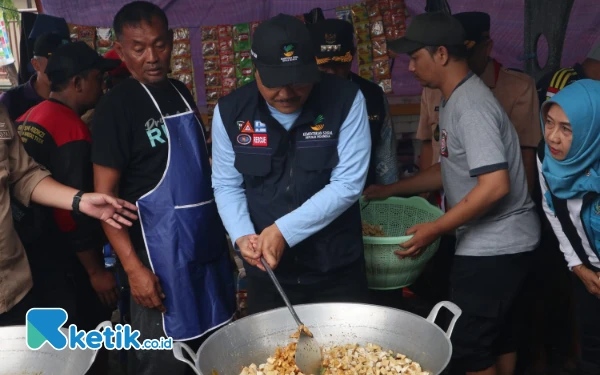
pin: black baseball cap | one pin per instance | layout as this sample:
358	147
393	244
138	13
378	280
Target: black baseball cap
476	25
73	58
47	43
282	52
430	29
333	41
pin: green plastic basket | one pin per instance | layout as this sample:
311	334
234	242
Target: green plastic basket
385	270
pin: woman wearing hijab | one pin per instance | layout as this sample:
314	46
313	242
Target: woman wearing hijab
569	164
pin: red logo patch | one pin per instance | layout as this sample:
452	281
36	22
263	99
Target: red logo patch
247	128
259	140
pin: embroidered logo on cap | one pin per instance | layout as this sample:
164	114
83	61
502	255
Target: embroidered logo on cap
259	140
288	52
260	127
244	139
319	125
330	38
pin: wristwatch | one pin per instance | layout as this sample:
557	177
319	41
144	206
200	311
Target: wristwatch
76	200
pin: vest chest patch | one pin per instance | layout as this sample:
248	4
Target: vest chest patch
260	140
319	130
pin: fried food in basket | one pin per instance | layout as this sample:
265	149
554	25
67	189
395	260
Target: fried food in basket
340	360
372	230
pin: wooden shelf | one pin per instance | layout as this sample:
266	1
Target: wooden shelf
409	109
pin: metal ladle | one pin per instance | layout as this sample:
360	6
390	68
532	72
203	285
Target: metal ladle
308	353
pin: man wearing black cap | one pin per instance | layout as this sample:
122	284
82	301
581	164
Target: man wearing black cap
19	99
482	174
55	136
291	154
514	90
333	42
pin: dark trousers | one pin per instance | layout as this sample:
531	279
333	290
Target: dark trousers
588	319
156	362
349	285
72	291
16	315
488	290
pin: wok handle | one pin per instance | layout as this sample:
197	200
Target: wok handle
280	290
450	306
178	353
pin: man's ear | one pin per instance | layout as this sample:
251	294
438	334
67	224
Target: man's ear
77	81
118	49
442	54
489	48
36	64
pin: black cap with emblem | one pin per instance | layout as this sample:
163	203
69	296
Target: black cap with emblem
430	29
282	52
333	41
476	25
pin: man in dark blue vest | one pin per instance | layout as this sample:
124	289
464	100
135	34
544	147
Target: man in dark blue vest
333	41
290	158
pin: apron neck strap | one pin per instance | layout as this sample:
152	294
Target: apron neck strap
156	104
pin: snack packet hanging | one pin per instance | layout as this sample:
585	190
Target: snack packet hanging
209	33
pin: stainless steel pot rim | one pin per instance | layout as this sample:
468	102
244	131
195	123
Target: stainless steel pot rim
430	319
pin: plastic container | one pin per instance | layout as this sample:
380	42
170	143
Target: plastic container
385	271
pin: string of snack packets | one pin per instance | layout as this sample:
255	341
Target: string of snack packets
228	64
102	39
375	22
227	59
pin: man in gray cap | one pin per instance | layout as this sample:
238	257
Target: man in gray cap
481	171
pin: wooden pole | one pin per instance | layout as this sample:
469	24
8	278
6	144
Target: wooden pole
38	5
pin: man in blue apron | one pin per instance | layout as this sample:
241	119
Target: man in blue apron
290	160
149	145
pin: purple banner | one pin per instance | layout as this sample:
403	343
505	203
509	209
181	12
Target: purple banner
507	25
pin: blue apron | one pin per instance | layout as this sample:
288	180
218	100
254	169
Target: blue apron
184	236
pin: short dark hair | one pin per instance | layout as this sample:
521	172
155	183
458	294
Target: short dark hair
137	12
62	86
459	52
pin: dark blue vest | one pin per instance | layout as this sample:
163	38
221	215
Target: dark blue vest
375	100
282	170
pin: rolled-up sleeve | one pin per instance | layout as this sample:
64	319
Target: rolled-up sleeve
24	173
346	183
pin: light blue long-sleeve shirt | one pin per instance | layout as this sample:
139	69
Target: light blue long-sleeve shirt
345	186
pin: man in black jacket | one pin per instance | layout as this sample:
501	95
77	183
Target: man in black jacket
64	251
333	42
